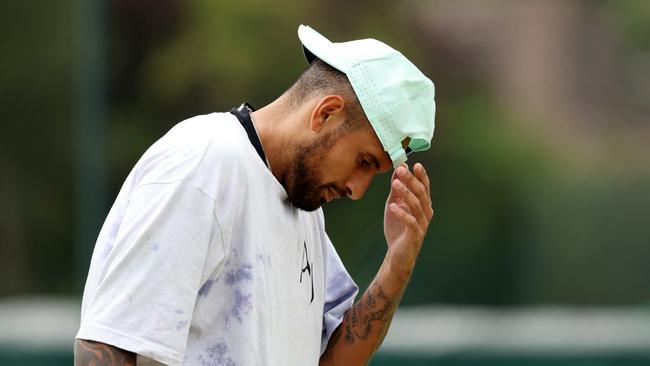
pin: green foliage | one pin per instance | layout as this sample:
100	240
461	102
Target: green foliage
632	19
518	219
35	151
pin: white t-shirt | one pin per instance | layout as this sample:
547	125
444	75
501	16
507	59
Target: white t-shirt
203	261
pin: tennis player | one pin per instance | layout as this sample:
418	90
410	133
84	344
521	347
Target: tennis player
215	250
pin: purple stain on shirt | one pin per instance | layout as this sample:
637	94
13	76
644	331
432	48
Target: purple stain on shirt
217	355
178	311
155	247
241	305
243	272
205	289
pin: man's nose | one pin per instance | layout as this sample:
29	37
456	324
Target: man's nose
356	187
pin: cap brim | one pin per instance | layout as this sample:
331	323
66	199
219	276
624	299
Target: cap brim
315	45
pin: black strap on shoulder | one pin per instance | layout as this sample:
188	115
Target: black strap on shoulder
243	114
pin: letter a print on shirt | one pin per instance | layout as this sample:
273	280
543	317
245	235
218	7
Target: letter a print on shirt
307	266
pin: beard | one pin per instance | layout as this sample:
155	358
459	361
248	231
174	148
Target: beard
304	180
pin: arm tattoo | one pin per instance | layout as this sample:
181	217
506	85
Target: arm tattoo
363	328
374	308
88	353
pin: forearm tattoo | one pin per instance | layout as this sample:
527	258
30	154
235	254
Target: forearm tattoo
373	310
88	353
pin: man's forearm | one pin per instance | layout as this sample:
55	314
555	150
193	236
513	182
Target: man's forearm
88	353
365	325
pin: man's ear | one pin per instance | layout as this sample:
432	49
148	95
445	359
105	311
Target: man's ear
328	110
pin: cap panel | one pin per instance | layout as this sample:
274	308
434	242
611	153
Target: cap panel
414	116
398	105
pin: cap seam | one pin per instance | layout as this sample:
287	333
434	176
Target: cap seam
406	99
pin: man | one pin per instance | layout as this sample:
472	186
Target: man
215	251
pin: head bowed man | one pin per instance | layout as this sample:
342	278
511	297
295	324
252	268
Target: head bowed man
215	250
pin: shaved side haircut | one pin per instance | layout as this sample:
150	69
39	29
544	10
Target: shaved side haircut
322	79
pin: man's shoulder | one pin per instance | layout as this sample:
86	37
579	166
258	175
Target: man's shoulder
214	136
217	127
195	146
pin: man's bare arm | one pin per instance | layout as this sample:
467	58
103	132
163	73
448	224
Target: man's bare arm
88	353
407	216
364	326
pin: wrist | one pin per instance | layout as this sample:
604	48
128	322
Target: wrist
398	268
393	278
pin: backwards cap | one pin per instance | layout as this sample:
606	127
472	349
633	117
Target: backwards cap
395	96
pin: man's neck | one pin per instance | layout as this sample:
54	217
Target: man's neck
274	124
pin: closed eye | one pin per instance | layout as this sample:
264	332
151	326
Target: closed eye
365	162
369	161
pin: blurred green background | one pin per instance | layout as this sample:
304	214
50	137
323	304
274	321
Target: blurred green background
540	162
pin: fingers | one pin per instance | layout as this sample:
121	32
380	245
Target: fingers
410	202
421	174
418	184
407	219
393	194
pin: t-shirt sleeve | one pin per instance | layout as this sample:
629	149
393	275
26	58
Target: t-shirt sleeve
340	292
145	295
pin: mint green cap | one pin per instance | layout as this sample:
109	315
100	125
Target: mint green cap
396	97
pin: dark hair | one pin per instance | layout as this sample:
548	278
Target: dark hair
321	78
